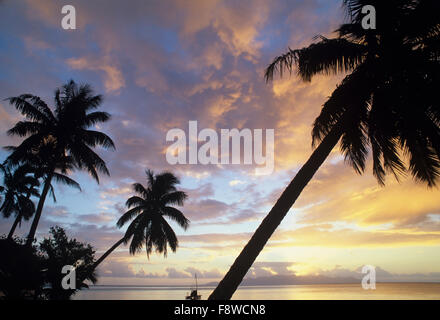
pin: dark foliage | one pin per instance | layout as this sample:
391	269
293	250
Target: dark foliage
59	251
36	272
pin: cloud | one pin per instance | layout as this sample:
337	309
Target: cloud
205	209
338	275
196	67
113	80
204	61
56	212
235	182
117	270
96	218
7	121
121	269
33	44
203	191
325	236
265	269
175	274
210	274
359	199
218	238
381	275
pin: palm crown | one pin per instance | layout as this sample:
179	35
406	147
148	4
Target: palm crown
149	208
65	129
18	186
388	103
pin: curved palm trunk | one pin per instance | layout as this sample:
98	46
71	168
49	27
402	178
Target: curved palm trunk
17	221
14	226
37	216
117	244
244	261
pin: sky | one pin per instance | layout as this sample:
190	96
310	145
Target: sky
161	64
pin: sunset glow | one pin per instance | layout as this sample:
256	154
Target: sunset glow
204	61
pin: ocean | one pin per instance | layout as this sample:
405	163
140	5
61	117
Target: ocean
383	291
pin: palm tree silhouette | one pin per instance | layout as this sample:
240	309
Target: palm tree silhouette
148	209
388	104
32	169
18	187
40	160
61	138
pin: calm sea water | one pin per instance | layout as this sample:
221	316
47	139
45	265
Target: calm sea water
387	291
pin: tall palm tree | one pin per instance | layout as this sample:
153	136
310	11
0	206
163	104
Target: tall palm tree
387	104
61	135
148	209
19	186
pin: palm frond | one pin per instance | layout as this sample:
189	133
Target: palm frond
127	216
140	189
328	56
177	216
174	198
23	103
164	183
132	227
94	118
52	193
135	201
171	238
61	178
86	158
25	128
96	138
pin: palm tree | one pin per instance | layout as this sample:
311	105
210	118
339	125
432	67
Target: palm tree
148	209
60	136
19	186
387	104
32	169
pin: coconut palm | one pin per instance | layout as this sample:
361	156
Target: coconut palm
148	210
61	135
18	187
387	104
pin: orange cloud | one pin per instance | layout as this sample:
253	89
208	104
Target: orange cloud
113	80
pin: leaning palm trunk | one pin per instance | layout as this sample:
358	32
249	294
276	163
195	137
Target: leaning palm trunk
105	255
117	244
17	221
14	226
33	230
244	261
